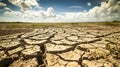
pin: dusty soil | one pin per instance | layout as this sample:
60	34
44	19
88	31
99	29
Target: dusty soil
8	32
97	46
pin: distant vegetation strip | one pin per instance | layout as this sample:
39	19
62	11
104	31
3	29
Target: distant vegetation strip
15	25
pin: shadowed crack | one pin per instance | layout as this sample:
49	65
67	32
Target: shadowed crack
6	62
107	34
32	46
81	60
40	55
72	48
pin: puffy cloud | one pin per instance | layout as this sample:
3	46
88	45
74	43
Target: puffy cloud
13	13
112	3
50	12
24	4
2	4
40	14
33	14
7	9
108	11
88	4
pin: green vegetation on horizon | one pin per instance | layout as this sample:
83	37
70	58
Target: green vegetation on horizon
14	25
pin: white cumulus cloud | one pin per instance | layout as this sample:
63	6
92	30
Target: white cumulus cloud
24	4
32	14
7	9
108	11
2	4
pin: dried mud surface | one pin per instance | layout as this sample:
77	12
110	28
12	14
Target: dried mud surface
8	32
95	46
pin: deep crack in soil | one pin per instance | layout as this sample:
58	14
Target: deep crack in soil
62	47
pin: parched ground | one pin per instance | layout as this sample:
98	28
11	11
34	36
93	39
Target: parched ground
83	46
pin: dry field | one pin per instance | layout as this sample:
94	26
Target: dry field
60	45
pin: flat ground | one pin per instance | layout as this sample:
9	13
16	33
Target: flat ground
60	45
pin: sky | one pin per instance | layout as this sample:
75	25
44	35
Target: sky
59	10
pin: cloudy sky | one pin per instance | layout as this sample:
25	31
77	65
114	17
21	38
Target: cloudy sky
59	10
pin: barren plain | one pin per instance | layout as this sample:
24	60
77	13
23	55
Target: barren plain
62	45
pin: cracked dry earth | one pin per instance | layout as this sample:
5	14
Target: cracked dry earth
97	46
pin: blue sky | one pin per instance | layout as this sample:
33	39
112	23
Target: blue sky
59	10
64	5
